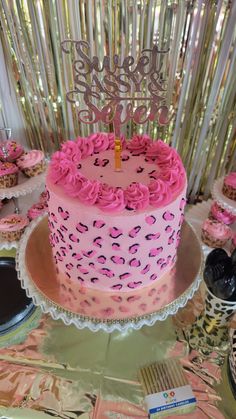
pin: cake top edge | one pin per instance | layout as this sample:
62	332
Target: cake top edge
157	187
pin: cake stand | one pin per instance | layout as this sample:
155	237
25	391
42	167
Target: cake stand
25	187
196	216
218	196
38	277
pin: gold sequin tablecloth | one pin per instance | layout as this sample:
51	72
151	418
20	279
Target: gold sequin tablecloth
52	370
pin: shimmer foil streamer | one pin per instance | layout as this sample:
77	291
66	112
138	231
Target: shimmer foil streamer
199	72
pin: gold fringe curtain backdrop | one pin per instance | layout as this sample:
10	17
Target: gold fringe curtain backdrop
199	69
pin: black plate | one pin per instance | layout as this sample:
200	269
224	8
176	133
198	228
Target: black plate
15	306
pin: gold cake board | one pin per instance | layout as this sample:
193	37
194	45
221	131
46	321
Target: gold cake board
38	277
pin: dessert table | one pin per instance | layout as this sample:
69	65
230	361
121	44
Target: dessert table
50	369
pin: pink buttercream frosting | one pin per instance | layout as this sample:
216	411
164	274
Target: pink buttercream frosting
139	144
36	210
137	196
110	199
86	147
72	151
7	168
222	214
170	174
13	150
216	229
13	222
100	141
159	192
30	159
231	180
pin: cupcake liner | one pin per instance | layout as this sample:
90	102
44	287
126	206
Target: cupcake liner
7	181
229	191
35	170
12	235
211	241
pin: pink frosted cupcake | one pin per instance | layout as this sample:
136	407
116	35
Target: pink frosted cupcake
12	227
10	151
215	234
229	186
8	175
36	210
220	214
32	163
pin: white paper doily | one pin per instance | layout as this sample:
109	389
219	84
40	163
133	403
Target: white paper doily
25	186
218	196
196	216
82	322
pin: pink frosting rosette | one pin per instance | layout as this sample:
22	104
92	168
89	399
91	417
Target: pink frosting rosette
73	187
13	222
60	166
111	139
174	177
86	147
165	155
8	168
100	141
110	199
137	196
160	194
71	149
222	214
231	179
36	210
88	193
217	229
139	144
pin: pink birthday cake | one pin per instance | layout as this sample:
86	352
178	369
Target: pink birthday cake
109	230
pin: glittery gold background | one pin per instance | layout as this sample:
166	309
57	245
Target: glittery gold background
200	70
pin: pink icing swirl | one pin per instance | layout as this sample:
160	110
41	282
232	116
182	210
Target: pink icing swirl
221	214
72	151
100	141
74	187
160	194
13	222
110	199
137	196
165	155
86	147
13	150
60	167
30	159
139	144
216	229
231	180
88	192
7	168
174	177
36	210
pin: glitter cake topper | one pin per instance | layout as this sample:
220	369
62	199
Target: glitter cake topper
113	90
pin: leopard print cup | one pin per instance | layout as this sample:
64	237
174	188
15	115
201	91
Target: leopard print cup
35	170
229	191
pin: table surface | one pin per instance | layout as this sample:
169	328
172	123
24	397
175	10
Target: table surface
49	369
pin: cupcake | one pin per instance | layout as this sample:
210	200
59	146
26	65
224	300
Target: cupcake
215	234
8	175
36	210
32	163
220	214
229	186
10	151
12	227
